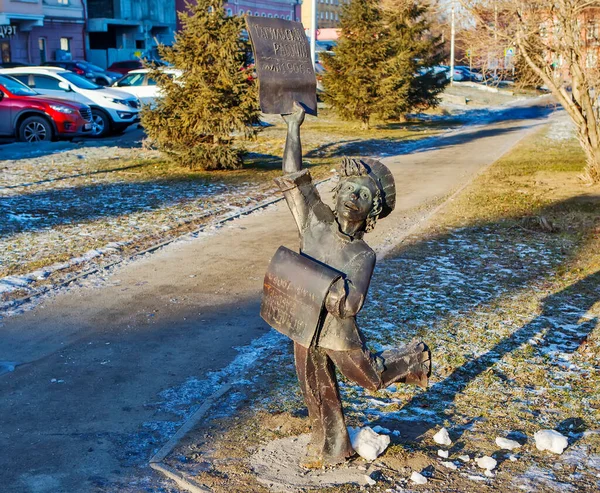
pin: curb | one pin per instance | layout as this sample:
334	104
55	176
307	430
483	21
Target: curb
180	478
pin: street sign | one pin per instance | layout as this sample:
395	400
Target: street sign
283	64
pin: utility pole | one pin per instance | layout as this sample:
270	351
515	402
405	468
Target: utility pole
452	32
313	31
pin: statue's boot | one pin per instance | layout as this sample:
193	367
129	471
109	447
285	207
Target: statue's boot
409	364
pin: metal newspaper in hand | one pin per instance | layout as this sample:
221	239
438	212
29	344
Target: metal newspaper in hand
283	64
294	294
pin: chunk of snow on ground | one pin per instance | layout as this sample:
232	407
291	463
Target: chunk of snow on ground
550	440
418	478
442	437
368	444
506	443
443	453
464	458
486	462
450	465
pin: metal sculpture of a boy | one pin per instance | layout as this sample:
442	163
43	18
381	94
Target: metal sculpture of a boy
331	244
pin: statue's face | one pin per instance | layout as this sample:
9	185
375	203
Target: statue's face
355	198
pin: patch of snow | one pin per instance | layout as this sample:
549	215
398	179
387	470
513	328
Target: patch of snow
442	437
418	478
443	454
507	444
537	479
368	444
381	429
464	458
550	440
450	465
486	462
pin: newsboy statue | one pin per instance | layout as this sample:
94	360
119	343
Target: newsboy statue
313	297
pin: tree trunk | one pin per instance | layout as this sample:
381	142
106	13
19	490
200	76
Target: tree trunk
592	154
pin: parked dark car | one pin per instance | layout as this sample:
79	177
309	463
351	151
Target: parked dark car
31	117
126	66
88	70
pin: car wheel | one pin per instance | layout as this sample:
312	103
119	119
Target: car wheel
35	129
100	123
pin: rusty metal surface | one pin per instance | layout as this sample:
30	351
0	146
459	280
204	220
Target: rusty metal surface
294	294
283	64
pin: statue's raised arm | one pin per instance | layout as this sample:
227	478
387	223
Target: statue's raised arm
292	155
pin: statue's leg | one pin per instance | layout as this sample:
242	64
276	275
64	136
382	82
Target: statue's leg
409	364
330	443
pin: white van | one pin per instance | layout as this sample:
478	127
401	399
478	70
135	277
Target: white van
112	111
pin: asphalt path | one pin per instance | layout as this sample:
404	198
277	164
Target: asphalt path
92	360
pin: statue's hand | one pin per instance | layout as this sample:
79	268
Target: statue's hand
297	117
335	297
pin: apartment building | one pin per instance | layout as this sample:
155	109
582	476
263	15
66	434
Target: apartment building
128	29
34	31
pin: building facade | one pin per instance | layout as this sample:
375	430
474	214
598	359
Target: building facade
35	31
328	15
278	9
128	29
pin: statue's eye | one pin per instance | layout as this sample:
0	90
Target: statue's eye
364	195
349	187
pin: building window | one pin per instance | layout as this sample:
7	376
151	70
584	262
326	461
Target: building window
240	12
229	12
591	59
264	15
593	33
63	2
42	47
287	17
65	44
256	14
322	16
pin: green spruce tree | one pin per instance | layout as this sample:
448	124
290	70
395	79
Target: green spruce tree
381	66
195	121
410	83
352	73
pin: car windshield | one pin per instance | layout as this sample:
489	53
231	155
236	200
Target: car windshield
78	81
15	87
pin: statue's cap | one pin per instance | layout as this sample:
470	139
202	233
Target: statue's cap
379	173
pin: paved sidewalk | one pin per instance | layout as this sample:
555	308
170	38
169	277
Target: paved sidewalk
93	360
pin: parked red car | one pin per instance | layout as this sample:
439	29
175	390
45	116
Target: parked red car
125	66
31	117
